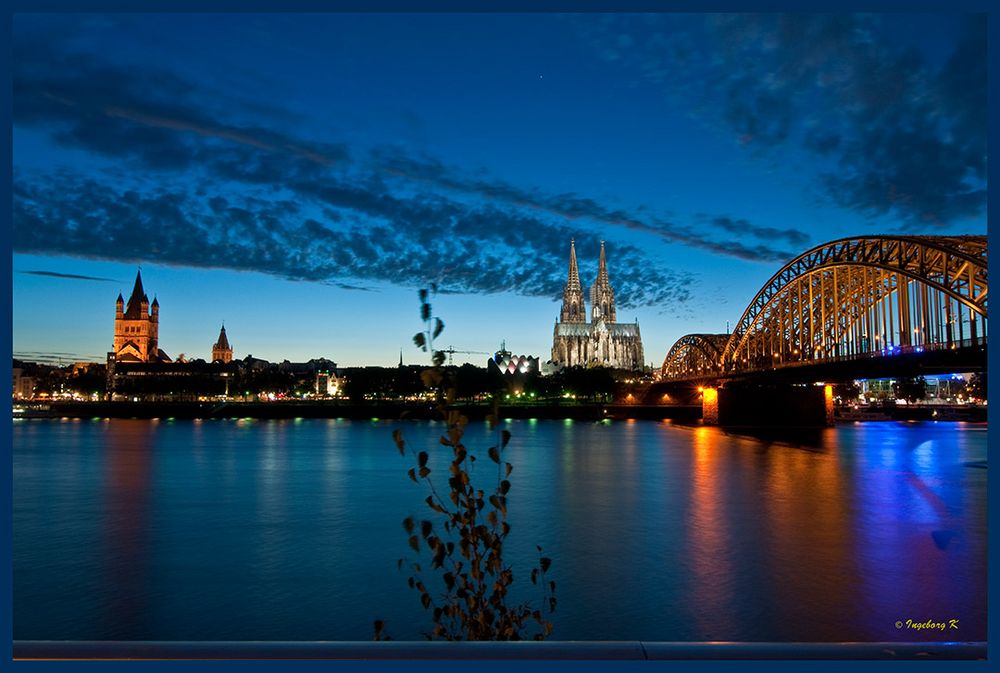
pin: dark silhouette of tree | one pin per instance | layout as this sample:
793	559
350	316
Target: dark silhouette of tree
468	528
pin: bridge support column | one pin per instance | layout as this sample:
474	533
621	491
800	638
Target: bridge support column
776	405
710	406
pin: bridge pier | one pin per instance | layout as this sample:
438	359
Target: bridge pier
772	405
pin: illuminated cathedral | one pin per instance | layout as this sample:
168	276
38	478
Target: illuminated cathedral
602	341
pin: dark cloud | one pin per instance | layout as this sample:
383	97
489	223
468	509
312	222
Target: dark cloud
795	237
573	206
154	117
73	276
404	241
301	208
906	136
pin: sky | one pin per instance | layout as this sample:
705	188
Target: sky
298	177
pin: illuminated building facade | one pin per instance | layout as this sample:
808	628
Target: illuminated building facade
137	327
602	341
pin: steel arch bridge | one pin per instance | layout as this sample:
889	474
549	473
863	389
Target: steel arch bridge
870	296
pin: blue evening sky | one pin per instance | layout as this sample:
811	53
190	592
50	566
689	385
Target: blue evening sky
300	176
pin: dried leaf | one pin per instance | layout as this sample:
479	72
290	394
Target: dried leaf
545	563
509	469
438	327
424	471
408	524
504	438
422	458
425	528
414	543
504	487
494	455
420	340
412	473
433	505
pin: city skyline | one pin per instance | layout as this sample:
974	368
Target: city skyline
298	178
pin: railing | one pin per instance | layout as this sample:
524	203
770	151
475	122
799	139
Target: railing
766	364
891	351
527	650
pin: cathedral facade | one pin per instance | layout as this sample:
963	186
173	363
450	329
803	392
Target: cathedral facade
602	341
137	327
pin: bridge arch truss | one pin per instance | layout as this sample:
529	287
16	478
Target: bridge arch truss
853	297
695	355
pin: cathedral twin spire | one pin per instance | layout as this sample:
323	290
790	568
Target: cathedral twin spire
602	297
573	308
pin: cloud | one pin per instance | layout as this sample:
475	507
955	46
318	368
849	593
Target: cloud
904	137
156	118
310	209
794	237
73	276
570	206
409	242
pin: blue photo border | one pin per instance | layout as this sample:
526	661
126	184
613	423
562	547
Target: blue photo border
67	6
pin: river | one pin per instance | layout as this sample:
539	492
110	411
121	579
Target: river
291	529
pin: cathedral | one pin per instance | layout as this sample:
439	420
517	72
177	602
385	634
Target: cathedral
137	327
602	341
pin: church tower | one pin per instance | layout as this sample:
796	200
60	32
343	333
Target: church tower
573	308
222	351
602	297
137	327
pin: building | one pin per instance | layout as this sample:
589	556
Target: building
602	341
221	350
327	383
24	386
507	363
137	327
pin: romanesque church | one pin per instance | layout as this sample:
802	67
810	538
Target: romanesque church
137	327
602	341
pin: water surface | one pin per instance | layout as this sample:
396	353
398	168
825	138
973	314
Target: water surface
291	529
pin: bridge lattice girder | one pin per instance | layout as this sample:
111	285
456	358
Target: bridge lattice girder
694	355
853	297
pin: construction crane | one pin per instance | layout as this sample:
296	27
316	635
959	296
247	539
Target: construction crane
450	350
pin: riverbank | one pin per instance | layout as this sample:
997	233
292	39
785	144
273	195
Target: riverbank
341	409
425	411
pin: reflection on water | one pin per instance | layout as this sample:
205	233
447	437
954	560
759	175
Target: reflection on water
126	531
290	530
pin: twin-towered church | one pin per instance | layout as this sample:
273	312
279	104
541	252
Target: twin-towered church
602	341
